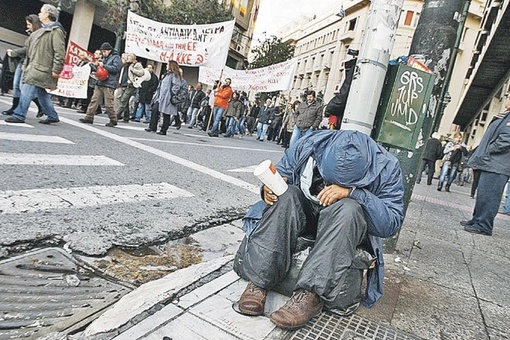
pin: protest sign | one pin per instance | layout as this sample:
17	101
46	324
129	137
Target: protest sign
266	79
188	45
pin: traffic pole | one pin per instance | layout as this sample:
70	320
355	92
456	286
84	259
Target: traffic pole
372	64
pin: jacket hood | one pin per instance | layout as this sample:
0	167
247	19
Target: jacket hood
52	25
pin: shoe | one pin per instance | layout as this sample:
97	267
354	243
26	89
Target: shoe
9	112
190	127
146	122
111	124
39	114
212	134
439	186
301	308
161	133
125	120
48	121
447	188
136	120
149	130
178	127
466	223
473	230
252	300
86	121
14	119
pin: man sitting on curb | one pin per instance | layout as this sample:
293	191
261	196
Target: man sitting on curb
347	191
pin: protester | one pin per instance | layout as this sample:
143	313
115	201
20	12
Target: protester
145	94
251	120
16	59
129	72
205	110
43	63
105	89
264	118
221	97
492	159
169	86
432	152
343	189
90	86
308	117
276	123
196	100
288	123
453	152
232	114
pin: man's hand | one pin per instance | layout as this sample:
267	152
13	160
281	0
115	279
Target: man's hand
332	193
269	197
54	75
9	52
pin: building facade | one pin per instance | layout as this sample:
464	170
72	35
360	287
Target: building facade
323	42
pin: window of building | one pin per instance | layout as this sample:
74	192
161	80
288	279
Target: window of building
351	24
409	18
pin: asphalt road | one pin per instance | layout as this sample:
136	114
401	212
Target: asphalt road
90	187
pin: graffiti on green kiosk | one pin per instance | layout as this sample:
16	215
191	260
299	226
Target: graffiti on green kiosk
406	105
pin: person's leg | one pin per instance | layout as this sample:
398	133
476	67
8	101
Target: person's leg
217	113
452	173
265	256
148	110
488	199
193	119
109	97
296	134
28	92
432	168
341	229
139	112
442	175
165	125
153	124
46	104
264	131
422	168
506	207
474	185
96	98
231	126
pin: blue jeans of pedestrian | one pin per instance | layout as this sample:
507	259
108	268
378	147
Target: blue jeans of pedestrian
506	207
217	114
241	125
446	171
193	116
29	92
262	130
231	127
488	198
143	109
298	133
16	82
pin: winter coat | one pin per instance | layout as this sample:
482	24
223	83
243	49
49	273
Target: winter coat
45	54
308	116
135	71
196	98
168	87
433	150
266	115
288	121
234	109
222	97
147	89
378	182
493	152
113	64
277	120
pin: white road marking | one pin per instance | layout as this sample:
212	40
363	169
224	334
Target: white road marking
247	169
19	137
184	162
25	125
126	127
47	159
21	201
205	145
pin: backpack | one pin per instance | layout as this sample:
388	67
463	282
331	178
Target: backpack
180	98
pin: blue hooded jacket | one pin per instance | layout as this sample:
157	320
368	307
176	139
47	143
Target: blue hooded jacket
353	159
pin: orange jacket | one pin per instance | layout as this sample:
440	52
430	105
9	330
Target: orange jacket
222	97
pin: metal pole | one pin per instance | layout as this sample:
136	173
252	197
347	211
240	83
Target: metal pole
368	80
434	39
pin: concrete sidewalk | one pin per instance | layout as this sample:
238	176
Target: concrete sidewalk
441	283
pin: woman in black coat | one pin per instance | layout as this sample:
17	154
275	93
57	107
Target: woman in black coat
145	94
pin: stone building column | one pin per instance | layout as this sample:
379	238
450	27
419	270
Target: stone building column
83	18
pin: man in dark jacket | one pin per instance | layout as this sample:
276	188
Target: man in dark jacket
265	117
43	63
145	95
105	88
433	151
345	190
196	98
492	159
307	118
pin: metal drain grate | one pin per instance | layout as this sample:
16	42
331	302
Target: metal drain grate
353	327
48	291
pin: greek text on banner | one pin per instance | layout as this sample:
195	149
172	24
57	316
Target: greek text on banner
188	45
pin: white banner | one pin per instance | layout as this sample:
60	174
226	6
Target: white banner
73	82
188	45
266	79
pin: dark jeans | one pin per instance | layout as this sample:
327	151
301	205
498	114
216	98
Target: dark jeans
488	199
338	230
474	184
431	165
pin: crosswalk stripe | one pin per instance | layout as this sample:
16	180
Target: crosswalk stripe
246	169
22	201
46	159
25	125
19	137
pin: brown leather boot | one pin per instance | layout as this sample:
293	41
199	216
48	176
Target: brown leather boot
252	300
302	306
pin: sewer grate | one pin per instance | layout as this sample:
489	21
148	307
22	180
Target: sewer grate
353	327
48	291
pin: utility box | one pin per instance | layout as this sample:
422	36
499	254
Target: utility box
403	106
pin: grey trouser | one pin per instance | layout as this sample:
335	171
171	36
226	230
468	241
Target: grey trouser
265	256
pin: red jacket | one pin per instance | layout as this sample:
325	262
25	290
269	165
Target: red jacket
223	96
